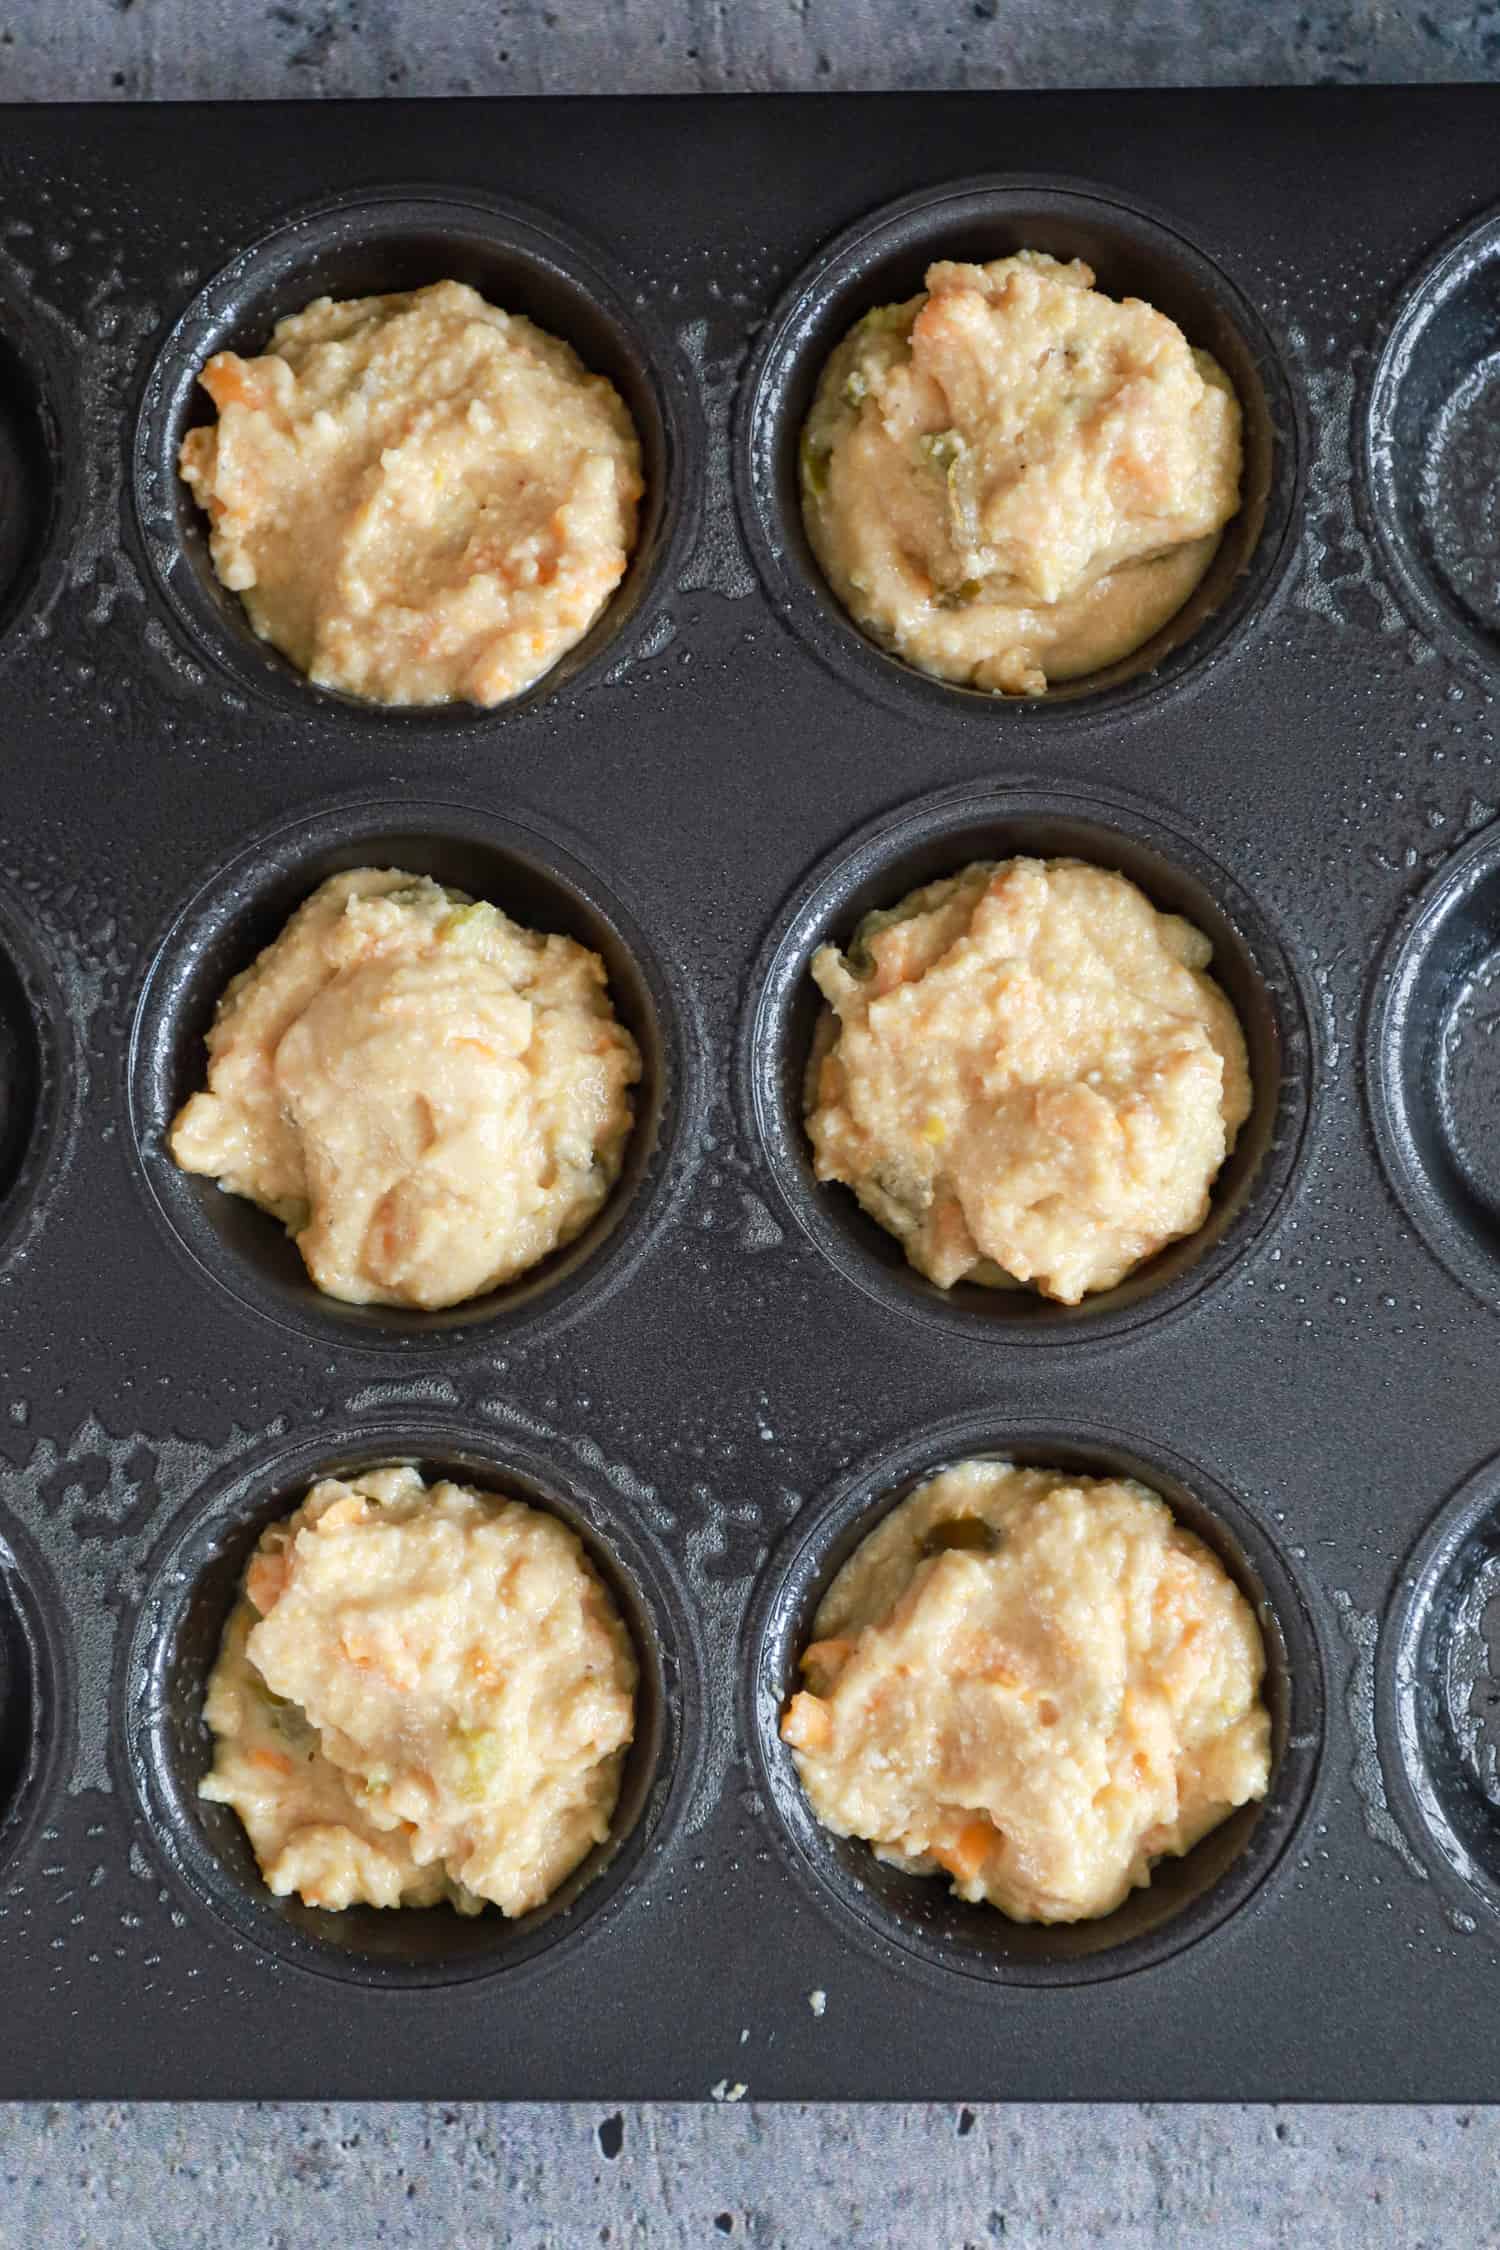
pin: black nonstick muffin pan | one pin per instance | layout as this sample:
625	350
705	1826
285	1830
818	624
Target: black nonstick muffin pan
732	1375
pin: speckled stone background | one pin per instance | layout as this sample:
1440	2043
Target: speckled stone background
277	2178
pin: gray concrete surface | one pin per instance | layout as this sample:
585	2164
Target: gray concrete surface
52	50
278	2178
657	2179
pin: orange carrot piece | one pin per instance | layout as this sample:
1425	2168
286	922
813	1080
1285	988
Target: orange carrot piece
805	1723
229	382
826	1659
265	1581
967	1853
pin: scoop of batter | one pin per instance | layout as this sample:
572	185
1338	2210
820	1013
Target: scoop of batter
1024	1074
424	1693
1037	1683
429	1097
420	498
1012	479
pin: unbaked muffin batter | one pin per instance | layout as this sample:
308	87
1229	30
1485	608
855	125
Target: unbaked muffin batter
1025	1074
420	498
1035	1683
1012	479
424	1693
429	1097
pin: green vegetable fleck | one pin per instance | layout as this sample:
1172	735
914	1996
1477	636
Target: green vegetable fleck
481	1753
815	455
941	449
880	318
467	925
968	1535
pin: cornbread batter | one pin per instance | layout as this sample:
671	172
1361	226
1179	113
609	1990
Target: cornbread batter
1025	1074
1012	479
420	498
424	1693
1037	1683
429	1097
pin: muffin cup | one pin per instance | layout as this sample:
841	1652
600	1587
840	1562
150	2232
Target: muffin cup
539	882
39	1076
36	1694
1432	1069
1427	455
1134	251
938	836
1437	1697
38	475
374	243
917	1918
165	1749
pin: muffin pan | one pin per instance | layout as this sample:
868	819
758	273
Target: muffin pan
732	1373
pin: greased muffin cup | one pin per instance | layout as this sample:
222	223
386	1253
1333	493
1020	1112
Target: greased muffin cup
1432	1066
39	474
375	243
36	1695
938	836
164	1748
540	882
1134	251
1436	1699
39	1078
918	1916
1426	453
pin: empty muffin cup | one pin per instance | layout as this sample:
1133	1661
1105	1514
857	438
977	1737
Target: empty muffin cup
938	836
36	1693
1429	447
916	1918
34	474
380	243
35	1097
166	1748
1133	251
1432	1064
1437	1697
540	883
